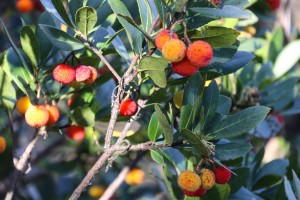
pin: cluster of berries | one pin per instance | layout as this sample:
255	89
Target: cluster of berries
66	74
196	184
37	115
184	60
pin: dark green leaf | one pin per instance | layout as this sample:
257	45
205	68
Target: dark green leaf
75	5
276	44
133	34
154	130
232	151
160	6
238	180
225	104
59	7
215	36
195	141
191	101
61	39
239	123
158	78
30	45
165	125
218	192
86	18
153	64
145	14
7	91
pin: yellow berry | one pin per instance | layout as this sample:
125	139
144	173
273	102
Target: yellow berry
207	178
174	50
23	104
189	181
96	191
37	116
135	177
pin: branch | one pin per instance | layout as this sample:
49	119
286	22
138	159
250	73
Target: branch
21	164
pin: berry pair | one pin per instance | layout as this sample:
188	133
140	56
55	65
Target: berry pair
67	74
184	60
41	115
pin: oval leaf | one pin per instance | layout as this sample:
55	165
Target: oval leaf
86	18
154	130
165	125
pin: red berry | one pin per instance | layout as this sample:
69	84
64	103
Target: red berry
273	4
184	68
198	193
222	175
75	132
83	73
64	73
128	107
93	76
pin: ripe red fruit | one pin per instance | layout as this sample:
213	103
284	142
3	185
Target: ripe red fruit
64	73
83	73
128	107
199	53
162	37
184	68
75	132
198	193
222	175
273	4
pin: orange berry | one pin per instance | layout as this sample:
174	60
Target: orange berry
135	177
96	191
2	144
162	37
93	76
64	73
23	104
53	114
75	132
83	73
24	6
199	53
189	181
207	178
184	68
174	50
37	116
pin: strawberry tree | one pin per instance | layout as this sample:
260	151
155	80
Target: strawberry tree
104	57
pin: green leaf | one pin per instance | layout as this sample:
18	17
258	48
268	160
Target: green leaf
30	45
58	4
296	184
270	173
287	58
160	7
154	130
83	116
165	125
240	179
75	5
228	11
276	44
218	192
86	18
61	39
210	102
153	64
215	36
288	189
145	14
231	151
7	91
158	78
191	101
44	43
133	34
14	68
195	141
157	156
225	104
239	123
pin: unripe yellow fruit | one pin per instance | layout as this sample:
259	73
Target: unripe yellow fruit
207	178
37	116
189	181
174	50
23	104
2	144
135	177
96	191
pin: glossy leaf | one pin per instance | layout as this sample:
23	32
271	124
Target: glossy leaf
86	18
154	130
61	39
145	14
232	151
165	125
153	64
160	6
195	140
157	157
30	45
83	116
218	192
7	91
239	123
215	36
133	34
75	5
59	7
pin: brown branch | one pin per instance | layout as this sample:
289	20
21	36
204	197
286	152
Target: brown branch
21	164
